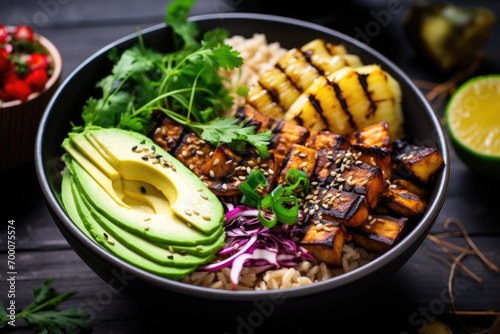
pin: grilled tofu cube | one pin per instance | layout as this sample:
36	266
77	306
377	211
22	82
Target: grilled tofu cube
365	180
166	133
284	135
419	162
377	134
325	241
374	156
221	163
329	140
347	208
379	233
252	117
301	157
228	185
192	151
339	169
419	190
401	202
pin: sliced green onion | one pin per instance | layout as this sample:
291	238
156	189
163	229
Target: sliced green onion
281	203
253	181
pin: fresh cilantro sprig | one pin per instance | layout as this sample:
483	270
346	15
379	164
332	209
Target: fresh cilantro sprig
44	316
185	84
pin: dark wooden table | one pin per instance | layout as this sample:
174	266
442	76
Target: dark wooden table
405	303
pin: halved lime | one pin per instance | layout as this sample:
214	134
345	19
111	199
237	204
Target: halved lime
472	119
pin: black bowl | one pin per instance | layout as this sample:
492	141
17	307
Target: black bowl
421	124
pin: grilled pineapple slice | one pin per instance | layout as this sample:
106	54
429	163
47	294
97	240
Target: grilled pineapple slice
273	94
278	88
329	57
350	99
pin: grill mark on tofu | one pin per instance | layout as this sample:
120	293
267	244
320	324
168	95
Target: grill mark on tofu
363	80
343	103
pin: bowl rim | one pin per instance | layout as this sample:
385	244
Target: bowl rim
413	239
57	64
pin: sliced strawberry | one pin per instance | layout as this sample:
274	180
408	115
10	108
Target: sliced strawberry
37	79
38	60
24	32
4	34
17	90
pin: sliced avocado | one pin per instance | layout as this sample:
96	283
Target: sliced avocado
85	147
151	164
164	227
110	185
139	245
134	198
83	219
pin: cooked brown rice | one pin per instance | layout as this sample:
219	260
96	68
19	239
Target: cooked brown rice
306	273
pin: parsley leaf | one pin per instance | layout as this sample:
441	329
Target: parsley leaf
44	316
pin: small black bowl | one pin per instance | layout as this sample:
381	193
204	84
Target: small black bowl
65	107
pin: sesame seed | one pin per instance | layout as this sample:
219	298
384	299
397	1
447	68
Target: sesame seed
216	161
184	154
212	174
229	161
224	186
200	152
303	155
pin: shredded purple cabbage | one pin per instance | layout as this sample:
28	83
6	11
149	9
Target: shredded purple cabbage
251	244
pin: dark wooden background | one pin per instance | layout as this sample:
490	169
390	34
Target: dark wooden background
405	303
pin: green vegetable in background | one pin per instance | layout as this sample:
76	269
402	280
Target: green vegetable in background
448	35
184	84
43	314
